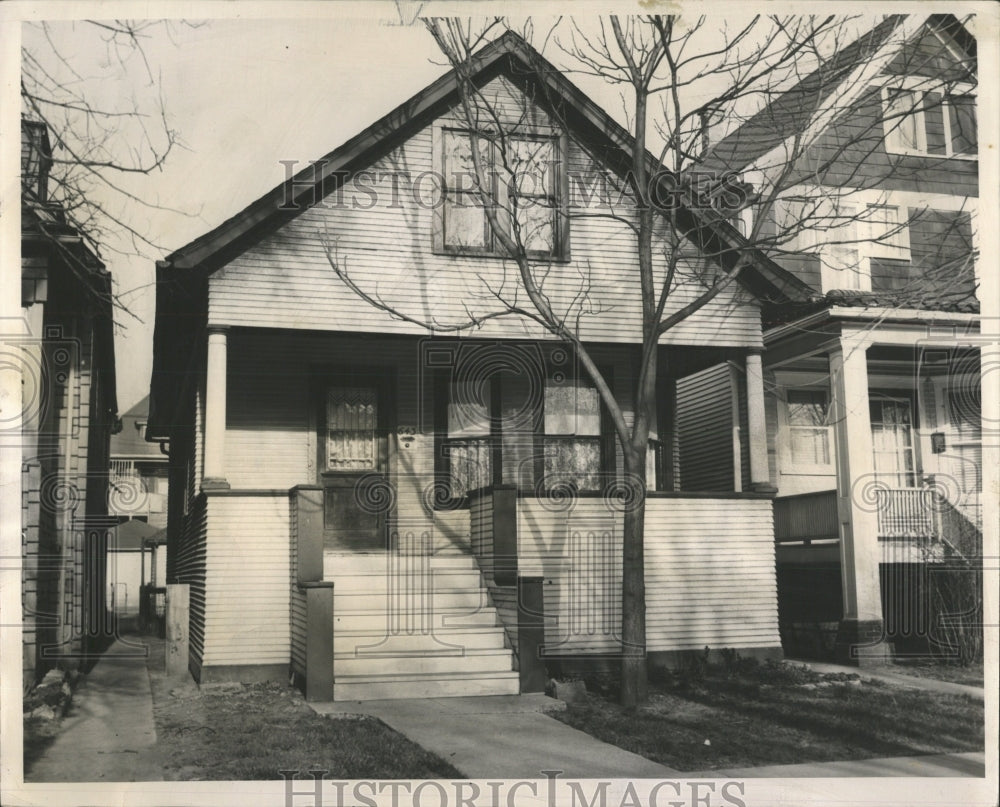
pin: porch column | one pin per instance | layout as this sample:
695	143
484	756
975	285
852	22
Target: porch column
760	476
860	633
215	411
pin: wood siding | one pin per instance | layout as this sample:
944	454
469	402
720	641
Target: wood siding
188	559
710	575
705	429
383	240
297	620
247	580
852	154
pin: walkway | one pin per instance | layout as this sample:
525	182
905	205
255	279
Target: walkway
503	737
108	735
898	679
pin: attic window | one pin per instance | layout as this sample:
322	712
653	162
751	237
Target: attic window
524	186
929	123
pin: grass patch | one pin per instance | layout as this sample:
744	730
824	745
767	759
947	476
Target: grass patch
971	675
778	714
250	732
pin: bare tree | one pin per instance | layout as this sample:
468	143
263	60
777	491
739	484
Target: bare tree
678	77
102	141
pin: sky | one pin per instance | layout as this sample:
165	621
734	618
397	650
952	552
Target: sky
245	94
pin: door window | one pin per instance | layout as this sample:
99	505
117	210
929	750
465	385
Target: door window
351	417
892	438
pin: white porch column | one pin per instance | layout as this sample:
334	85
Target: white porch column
861	628
760	476
215	411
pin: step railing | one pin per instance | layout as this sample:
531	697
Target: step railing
312	594
493	513
906	512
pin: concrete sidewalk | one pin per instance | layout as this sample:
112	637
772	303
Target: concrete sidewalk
942	765
512	737
898	679
108	735
502	737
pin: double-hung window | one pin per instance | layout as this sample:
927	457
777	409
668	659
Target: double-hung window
520	177
888	232
941	124
808	428
536	430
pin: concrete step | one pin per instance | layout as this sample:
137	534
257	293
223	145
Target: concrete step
403	685
467	599
383	580
379	621
346	642
444	664
335	565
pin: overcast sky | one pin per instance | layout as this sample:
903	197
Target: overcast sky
243	95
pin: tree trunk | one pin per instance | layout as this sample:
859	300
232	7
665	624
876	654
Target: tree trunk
634	684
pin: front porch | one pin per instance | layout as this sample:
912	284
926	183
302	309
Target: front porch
877	454
385	527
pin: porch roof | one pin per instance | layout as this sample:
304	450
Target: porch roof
817	331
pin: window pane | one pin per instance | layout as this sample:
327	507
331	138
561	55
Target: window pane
535	219
464	221
532	163
350	420
518	420
459	169
469	408
471	465
962	117
807	408
902	119
571	408
810	446
934	124
573	461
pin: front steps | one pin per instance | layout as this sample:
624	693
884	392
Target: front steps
415	626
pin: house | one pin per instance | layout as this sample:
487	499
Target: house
384	509
137	551
69	413
873	389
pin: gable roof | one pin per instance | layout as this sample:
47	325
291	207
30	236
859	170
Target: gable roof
130	441
514	57
795	109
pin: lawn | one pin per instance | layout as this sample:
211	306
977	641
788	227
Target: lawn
774	714
251	732
971	675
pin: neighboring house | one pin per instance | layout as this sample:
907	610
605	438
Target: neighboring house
137	497
874	423
69	414
387	511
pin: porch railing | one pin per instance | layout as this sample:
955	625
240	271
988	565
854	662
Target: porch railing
806	518
906	513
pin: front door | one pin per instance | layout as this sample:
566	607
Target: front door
353	461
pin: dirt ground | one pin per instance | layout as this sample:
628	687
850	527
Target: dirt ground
252	732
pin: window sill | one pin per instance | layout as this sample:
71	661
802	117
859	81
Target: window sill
478	253
928	156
